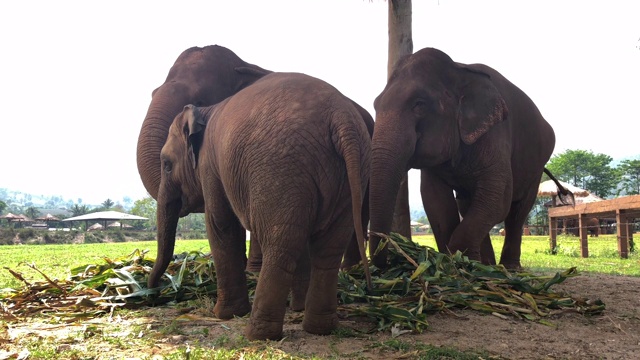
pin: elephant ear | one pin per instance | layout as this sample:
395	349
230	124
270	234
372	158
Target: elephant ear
194	129
251	74
481	106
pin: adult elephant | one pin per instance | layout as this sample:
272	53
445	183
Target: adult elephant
286	158
469	130
592	226
202	77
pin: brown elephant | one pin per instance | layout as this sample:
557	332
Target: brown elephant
286	158
471	132
205	76
572	226
200	76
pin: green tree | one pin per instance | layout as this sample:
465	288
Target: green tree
146	207
630	177
571	166
78	210
586	170
107	204
32	212
3	205
192	222
603	179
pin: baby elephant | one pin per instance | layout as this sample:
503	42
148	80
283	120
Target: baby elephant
286	158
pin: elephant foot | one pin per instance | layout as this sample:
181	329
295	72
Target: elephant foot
263	330
230	310
320	324
512	266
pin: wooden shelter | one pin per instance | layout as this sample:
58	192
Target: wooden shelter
624	209
105	216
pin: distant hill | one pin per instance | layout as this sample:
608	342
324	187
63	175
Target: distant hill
49	203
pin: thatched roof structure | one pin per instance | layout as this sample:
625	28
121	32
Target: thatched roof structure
549	188
48	217
10	216
104	216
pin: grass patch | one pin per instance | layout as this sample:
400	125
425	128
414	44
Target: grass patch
536	257
226	347
417	281
427	352
57	260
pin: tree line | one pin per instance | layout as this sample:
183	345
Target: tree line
596	174
581	168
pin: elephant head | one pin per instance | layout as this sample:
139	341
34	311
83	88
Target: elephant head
430	108
180	190
200	76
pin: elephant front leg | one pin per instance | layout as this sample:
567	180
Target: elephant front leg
301	280
228	248
488	206
254	263
487	255
440	206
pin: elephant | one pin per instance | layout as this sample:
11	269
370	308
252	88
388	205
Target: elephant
204	76
480	143
592	226
286	158
201	76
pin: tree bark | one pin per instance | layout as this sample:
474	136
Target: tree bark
400	44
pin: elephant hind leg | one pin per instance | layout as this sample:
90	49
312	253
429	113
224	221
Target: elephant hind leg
282	246
300	279
513	226
326	249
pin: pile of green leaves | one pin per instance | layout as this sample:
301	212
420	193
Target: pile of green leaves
418	281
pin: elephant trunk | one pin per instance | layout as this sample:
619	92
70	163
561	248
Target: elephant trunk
168	214
388	167
167	102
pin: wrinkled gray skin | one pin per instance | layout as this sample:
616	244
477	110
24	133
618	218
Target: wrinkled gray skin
205	76
469	130
288	159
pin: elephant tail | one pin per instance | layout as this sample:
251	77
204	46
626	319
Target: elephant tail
351	140
564	194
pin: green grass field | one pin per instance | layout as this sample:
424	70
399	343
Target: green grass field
603	254
56	260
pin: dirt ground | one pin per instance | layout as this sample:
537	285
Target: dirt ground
156	332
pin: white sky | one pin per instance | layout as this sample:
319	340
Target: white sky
76	76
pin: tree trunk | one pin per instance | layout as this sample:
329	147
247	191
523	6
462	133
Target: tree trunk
400	44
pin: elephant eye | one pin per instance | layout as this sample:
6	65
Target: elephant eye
420	107
166	165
